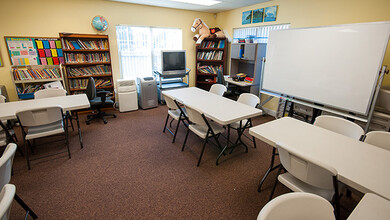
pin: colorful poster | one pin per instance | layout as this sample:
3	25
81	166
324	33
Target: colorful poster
22	51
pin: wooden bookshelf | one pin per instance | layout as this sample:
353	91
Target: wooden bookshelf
211	55
87	55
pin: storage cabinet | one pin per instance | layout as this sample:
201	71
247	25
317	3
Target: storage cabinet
247	58
31	78
87	55
211	56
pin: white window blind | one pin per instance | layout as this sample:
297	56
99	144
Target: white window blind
140	48
260	33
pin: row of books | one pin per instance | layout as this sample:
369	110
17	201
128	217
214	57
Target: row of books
209	69
29	89
86	44
89	71
210	55
213	44
87	58
82	83
29	74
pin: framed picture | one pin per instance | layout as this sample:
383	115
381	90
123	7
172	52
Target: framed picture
270	13
246	17
258	15
1	61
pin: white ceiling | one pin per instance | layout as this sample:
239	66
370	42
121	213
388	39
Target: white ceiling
223	6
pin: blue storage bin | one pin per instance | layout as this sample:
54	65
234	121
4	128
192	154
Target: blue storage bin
26	95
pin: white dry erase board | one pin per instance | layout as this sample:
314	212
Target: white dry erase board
336	66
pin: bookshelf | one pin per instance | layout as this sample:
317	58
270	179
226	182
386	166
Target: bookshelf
211	56
87	55
31	78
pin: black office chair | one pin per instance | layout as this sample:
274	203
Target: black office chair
98	99
231	90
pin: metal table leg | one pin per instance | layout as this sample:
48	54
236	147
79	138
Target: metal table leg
79	130
271	168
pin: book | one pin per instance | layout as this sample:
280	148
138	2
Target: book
75	45
49	61
58	44
59	52
53	52
52	44
47	53
43	61
46	44
41	53
39	44
56	61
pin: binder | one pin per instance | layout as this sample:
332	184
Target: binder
39	44
46	44
58	44
61	60
53	52
59	52
43	61
49	61
47	52
41	53
56	61
75	45
52	44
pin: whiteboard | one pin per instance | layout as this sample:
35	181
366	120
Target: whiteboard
336	66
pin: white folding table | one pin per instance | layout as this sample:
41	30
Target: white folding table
360	165
222	110
371	206
68	103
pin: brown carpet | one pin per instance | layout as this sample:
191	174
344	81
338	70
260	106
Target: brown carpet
129	169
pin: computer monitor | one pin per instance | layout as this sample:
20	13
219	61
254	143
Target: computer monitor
173	61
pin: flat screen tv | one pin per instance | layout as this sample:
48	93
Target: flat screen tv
173	61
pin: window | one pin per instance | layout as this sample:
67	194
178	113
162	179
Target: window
140	48
260	33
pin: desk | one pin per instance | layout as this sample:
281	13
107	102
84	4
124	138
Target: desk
371	207
219	109
360	165
228	79
68	103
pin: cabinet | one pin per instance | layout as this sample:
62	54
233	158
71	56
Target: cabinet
211	56
247	58
31	78
87	55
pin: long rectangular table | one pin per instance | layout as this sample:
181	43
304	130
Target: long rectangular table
217	108
68	103
360	165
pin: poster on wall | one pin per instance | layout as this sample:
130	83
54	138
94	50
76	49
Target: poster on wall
258	15
1	61
22	51
247	17
270	13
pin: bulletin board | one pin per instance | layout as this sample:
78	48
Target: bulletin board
34	51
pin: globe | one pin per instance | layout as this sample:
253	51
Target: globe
99	23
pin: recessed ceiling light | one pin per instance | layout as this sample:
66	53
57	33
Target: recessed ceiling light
199	2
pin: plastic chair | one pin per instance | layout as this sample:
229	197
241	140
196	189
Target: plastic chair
7	133
6	161
47	93
378	138
339	125
176	113
297	205
307	175
42	122
2	99
205	129
218	89
251	100
6	196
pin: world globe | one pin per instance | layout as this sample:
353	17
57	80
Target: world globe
99	23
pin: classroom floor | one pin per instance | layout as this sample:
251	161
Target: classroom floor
129	169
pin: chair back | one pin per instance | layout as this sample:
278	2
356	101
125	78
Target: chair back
2	99
170	102
40	116
6	161
378	138
339	125
6	197
47	93
218	89
305	169
249	99
91	89
195	116
297	205
220	78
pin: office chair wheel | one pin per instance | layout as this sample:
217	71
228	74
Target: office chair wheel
114	116
105	122
87	122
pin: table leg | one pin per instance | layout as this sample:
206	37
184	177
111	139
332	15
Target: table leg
226	146
271	168
79	130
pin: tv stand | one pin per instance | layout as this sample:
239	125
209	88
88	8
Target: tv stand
170	81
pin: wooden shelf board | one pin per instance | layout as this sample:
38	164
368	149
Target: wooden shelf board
86	50
37	80
216	61
81	64
207	74
92	36
202	48
87	76
204	82
82	89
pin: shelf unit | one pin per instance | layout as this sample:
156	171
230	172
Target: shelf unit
211	55
87	55
31	78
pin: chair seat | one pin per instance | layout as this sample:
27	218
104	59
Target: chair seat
236	124
201	130
45	130
297	185
98	101
176	113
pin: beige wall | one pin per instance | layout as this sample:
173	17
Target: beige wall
308	13
47	18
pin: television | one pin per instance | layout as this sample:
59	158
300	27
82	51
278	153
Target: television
173	61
